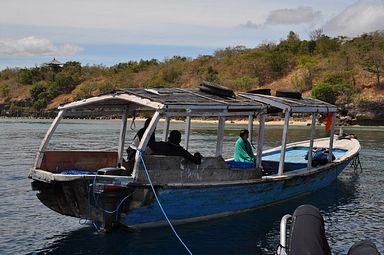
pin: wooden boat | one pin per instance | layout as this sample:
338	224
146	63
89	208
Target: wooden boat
101	190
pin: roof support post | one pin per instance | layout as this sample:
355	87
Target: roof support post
250	127
220	136
123	129
312	137
187	131
331	137
47	138
260	140
166	128
284	142
144	141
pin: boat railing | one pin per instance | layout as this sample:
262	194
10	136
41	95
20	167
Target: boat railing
285	223
176	169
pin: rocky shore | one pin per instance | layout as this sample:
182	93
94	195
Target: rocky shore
28	114
366	114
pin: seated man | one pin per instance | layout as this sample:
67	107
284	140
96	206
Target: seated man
243	149
137	138
172	148
131	150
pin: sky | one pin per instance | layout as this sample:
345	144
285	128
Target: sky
107	32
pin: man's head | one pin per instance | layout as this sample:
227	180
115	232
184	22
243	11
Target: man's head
147	121
174	137
244	134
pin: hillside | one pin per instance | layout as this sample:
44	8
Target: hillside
344	71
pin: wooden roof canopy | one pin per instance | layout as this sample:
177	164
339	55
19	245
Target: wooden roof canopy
210	99
292	104
168	100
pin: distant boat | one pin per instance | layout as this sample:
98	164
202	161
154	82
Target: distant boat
94	185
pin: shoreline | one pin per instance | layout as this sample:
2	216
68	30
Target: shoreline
301	122
342	121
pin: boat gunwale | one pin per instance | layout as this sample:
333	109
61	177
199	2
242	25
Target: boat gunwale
43	175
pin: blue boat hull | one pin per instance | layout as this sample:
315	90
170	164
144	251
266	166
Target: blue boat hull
186	204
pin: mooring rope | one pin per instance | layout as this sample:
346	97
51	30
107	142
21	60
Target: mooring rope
83	221
356	163
133	124
158	201
97	200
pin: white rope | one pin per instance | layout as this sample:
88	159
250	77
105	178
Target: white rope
161	207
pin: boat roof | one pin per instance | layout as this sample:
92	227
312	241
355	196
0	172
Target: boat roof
191	100
293	105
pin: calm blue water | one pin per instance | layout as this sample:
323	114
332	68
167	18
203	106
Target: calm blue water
353	206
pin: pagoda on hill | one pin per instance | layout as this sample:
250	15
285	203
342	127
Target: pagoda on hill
54	64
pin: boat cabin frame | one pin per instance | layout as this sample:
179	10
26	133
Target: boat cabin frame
166	103
304	105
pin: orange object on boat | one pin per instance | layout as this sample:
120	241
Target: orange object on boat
328	122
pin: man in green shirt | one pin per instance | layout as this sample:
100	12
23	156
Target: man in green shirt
243	149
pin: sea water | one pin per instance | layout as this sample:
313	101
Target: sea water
352	206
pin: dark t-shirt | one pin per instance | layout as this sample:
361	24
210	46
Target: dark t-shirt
170	149
152	139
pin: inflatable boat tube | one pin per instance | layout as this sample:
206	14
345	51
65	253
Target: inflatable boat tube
307	235
365	247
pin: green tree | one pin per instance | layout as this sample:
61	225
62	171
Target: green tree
24	76
29	76
4	90
326	45
316	34
37	89
72	67
105	87
298	82
279	62
291	44
208	74
309	65
65	82
348	60
40	95
332	87
85	90
325	92
246	82
374	63
40	103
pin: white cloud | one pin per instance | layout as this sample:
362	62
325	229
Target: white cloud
300	15
360	17
34	46
251	24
